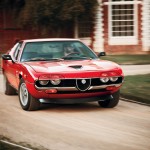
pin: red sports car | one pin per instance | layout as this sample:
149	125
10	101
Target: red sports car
59	71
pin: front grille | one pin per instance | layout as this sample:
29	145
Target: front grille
75	82
97	82
63	83
83	84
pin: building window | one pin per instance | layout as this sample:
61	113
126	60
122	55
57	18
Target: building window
85	28
122	22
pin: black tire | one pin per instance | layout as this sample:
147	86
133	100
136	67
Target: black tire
27	102
111	102
8	89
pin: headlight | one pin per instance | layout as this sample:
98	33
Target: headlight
104	80
43	82
55	81
113	79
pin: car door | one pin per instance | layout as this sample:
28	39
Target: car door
12	66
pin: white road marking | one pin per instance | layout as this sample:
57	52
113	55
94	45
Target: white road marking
16	145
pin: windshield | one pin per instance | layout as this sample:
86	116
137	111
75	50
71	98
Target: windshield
56	51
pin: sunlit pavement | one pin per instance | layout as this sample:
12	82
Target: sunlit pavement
135	69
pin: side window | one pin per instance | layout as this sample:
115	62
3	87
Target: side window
17	50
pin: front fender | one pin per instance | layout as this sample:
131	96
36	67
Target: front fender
27	73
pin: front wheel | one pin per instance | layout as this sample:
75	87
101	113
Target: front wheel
110	102
26	100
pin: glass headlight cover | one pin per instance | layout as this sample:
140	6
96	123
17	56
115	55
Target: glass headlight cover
55	81
104	79
43	82
113	79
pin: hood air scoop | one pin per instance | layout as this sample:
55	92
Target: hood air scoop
76	66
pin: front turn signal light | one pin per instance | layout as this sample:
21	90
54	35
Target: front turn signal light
51	91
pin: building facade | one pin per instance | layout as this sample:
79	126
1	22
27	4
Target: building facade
10	32
121	26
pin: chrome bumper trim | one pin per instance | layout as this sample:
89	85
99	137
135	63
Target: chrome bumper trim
75	89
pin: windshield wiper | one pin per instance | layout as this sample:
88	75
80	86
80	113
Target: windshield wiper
57	59
44	59
86	58
75	58
36	59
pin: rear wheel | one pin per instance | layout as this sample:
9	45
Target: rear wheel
110	102
8	89
26	100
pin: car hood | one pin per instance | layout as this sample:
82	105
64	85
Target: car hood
72	66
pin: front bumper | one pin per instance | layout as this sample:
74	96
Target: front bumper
74	100
75	89
71	92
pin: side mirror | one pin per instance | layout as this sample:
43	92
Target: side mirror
6	57
101	54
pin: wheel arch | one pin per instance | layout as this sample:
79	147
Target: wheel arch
27	73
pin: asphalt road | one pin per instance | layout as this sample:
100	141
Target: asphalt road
76	127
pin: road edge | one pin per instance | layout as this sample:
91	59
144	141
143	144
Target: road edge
133	101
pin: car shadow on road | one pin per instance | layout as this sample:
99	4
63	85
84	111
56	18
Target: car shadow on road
82	107
51	107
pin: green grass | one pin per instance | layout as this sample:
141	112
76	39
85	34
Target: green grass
129	59
137	88
4	146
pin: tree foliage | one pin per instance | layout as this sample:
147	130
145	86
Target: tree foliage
50	13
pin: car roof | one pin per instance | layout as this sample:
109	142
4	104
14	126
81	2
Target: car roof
50	39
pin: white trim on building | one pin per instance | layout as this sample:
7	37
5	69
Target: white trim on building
126	35
146	25
98	44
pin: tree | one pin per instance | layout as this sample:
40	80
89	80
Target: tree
51	14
